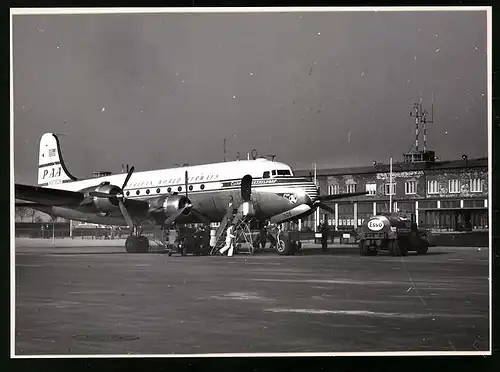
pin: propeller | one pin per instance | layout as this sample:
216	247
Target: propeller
323	198
320	201
120	197
325	207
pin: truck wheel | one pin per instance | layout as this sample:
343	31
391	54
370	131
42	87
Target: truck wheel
283	248
422	248
403	250
393	247
362	248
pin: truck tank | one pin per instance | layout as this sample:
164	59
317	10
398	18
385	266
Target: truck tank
392	232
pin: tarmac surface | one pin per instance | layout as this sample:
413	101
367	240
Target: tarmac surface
90	297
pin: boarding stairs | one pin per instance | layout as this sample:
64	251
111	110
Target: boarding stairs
241	221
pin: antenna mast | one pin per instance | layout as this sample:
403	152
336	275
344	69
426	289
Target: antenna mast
420	118
416	107
425	121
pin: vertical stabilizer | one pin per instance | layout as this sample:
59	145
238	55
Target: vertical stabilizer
51	168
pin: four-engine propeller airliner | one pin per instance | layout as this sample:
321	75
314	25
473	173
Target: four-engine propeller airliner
191	194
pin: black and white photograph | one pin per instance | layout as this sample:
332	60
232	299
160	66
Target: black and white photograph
250	181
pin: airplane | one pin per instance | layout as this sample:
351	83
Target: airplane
189	194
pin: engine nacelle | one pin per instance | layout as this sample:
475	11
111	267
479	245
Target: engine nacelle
172	204
169	205
106	205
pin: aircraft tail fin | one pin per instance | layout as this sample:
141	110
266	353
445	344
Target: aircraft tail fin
51	167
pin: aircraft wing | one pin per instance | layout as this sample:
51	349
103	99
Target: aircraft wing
48	196
43	196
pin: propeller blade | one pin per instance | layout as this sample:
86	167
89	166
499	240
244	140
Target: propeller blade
129	174
340	196
173	217
125	213
186	182
246	188
326	207
229	213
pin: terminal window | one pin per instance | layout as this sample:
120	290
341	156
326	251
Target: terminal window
351	188
371	188
454	186
410	187
333	189
432	187
476	185
388	190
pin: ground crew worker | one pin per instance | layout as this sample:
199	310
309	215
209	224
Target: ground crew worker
229	241
325	231
262	237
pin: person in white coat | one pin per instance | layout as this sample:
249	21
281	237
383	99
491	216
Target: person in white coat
229	241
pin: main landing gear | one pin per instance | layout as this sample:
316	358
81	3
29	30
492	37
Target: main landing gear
286	243
137	243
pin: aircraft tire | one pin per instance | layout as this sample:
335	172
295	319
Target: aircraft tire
283	248
143	243
132	244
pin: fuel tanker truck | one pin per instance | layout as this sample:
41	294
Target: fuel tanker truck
392	232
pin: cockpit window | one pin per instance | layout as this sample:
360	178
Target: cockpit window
283	172
278	173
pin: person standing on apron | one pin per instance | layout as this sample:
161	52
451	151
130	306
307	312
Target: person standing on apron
229	241
325	231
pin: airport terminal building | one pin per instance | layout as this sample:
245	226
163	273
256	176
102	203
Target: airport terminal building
442	195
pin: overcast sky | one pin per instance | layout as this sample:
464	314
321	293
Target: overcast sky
333	88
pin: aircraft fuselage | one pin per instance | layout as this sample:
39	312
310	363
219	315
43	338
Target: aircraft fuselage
210	189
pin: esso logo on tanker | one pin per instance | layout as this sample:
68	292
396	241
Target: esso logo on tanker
375	225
